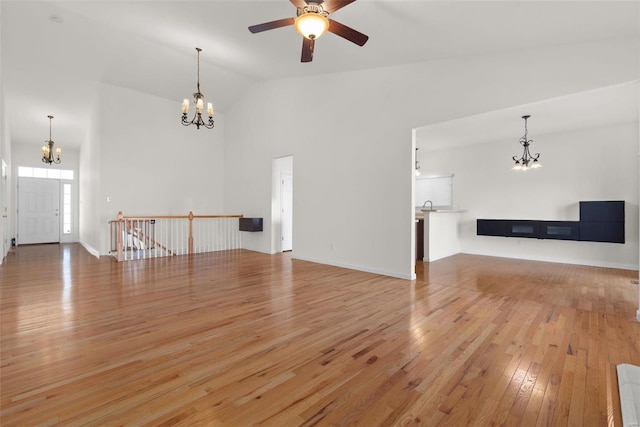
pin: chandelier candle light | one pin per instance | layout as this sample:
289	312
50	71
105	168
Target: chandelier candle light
47	150
198	100
527	161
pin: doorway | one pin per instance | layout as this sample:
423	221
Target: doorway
38	210
282	204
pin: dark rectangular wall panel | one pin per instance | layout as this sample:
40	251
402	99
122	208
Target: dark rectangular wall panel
609	232
606	211
250	224
560	230
523	228
491	227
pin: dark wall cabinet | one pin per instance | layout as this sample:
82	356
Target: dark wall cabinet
491	227
250	224
601	221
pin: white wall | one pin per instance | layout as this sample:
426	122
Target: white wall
89	184
350	134
149	164
6	198
581	165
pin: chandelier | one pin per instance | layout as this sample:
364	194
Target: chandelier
47	150
527	161
198	100
417	164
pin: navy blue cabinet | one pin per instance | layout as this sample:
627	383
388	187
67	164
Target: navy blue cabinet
560	230
250	224
492	227
601	221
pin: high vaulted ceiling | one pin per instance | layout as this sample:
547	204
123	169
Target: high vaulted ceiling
55	53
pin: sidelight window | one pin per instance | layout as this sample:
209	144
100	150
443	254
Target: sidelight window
66	209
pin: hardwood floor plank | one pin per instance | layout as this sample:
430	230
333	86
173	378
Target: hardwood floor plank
243	338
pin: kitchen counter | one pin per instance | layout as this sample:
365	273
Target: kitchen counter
440	233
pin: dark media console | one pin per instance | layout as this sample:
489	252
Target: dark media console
599	222
250	224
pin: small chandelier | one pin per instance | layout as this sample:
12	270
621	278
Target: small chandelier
527	161
47	150
312	21
198	100
417	164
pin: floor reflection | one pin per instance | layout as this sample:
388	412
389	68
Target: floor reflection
67	282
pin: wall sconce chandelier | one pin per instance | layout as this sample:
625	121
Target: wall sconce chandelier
47	150
527	161
417	164
198	100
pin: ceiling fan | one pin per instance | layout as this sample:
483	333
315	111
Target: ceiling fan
312	22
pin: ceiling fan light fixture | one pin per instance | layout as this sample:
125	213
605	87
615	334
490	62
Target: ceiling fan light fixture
311	25
312	21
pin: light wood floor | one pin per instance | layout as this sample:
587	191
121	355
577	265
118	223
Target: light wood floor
240	338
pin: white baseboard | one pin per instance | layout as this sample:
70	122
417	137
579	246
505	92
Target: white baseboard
356	267
93	251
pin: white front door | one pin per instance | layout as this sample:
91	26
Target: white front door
286	201
38	210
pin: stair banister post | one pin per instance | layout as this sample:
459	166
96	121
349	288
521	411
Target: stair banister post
190	232
119	238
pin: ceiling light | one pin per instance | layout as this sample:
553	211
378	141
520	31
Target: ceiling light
312	21
198	101
527	161
47	150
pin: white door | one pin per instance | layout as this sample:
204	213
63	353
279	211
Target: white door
38	210
286	201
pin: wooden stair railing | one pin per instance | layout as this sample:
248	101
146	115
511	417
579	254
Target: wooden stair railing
124	223
150	241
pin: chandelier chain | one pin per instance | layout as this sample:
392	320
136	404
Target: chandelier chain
198	75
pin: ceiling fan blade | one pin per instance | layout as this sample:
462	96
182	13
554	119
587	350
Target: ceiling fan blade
347	33
271	25
307	50
298	3
331	6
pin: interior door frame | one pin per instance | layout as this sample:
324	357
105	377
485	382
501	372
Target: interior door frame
286	222
278	166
